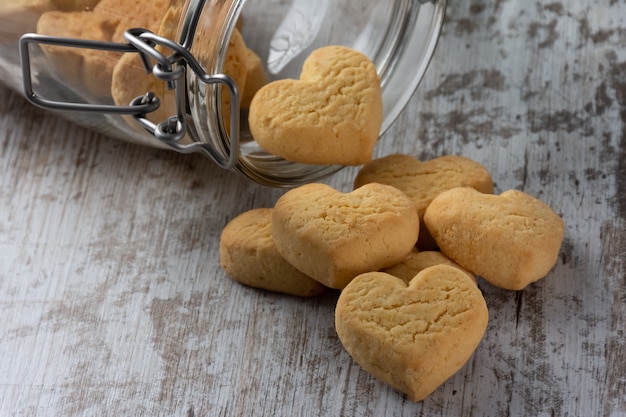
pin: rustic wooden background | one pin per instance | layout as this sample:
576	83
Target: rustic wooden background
112	302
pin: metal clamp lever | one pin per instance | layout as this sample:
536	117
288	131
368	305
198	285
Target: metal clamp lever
170	69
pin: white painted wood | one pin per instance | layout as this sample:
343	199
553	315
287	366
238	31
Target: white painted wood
112	301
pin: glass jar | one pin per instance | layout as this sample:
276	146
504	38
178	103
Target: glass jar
154	72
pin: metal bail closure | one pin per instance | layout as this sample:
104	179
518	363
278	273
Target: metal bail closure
170	69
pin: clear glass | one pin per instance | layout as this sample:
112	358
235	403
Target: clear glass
398	36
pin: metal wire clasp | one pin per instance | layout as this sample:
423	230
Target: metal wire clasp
171	69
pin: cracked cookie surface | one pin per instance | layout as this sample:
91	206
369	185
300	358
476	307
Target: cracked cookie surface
412	336
512	239
423	181
333	236
331	115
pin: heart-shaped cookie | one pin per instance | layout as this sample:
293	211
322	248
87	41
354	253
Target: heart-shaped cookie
331	115
423	181
511	239
249	256
90	69
416	336
333	237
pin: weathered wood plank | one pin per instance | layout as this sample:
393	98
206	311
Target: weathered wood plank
113	301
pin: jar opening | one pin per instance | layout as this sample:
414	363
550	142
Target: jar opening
399	37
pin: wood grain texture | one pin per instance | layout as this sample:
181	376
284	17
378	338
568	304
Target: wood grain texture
113	302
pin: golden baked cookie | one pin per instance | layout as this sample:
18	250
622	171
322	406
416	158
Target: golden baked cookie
416	336
331	115
333	237
168	24
73	5
255	78
87	70
236	67
133	14
21	16
423	181
91	71
511	239
249	256
417	261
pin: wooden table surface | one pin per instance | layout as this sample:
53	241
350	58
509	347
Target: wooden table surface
113	303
